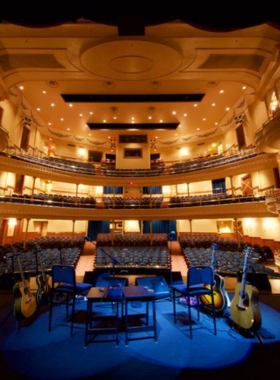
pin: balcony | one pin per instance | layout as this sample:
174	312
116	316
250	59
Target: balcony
272	200
269	132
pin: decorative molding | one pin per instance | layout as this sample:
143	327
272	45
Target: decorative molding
240	210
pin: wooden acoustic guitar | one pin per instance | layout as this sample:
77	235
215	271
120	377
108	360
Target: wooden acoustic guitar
244	308
221	299
43	282
24	300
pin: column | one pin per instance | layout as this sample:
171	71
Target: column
33	188
141	226
151	231
114	196
237	232
26	231
77	192
231	185
150	195
188	190
73	227
190	220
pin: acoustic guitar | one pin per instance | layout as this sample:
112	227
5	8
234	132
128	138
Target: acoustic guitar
43	282
244	308
221	299
24	300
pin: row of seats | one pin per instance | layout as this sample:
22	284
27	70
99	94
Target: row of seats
58	163
50	200
228	263
136	239
210	199
156	170
133	257
49	257
197	164
121	202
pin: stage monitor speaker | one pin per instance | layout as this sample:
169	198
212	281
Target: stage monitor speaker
104	281
92	277
157	284
259	280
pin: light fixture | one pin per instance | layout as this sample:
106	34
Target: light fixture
204	119
227	109
198	129
89	134
81	115
154	144
44	92
68	129
213	104
132	118
21	87
195	105
185	115
104	121
216	123
150	117
113	144
222	91
161	121
62	119
174	113
39	109
115	117
52	104
49	123
70	105
91	113
244	88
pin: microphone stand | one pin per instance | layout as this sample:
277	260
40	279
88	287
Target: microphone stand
114	261
170	236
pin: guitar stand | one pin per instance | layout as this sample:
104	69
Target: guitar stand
244	332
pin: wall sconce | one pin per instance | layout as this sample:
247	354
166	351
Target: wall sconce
154	144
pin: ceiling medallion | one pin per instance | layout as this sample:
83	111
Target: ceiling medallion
155	84
109	84
151	109
52	83
114	109
212	84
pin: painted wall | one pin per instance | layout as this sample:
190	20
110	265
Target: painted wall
266	228
133	163
203	225
56	225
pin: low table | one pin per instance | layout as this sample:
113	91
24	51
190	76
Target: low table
99	295
139	293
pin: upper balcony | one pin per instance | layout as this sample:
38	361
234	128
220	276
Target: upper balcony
269	132
175	172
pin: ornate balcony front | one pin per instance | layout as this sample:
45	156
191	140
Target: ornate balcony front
272	200
269	133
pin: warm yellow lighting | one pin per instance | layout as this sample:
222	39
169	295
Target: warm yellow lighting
44	92
52	104
214	145
81	115
161	121
185	115
204	119
227	109
198	129
104	121
174	113
195	105
82	151
184	152
244	88
12	222
150	117
21	87
70	105
39	109
68	129
222	91
91	113
213	104
62	119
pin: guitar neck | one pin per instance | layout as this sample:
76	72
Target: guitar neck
20	270
244	276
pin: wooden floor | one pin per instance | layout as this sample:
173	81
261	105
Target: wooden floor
86	263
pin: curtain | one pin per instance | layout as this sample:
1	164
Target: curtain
110	190
155	190
155	156
161	227
218	186
95	227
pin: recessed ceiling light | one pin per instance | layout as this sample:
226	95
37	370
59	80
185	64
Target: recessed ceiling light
156	137
195	105
89	134
244	88
70	105
85	125
52	104
216	123
222	91
132	121
91	113
109	137
39	109
50	139
161	121
204	119
198	129
68	129
104	121
150	117
115	117
176	134
213	104
62	119
174	113
44	92
21	87
49	123
227	109
81	115
180	126
185	115
132	118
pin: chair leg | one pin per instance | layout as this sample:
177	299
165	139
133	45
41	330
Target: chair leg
50	314
174	307
67	306
190	316
73	314
214	313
